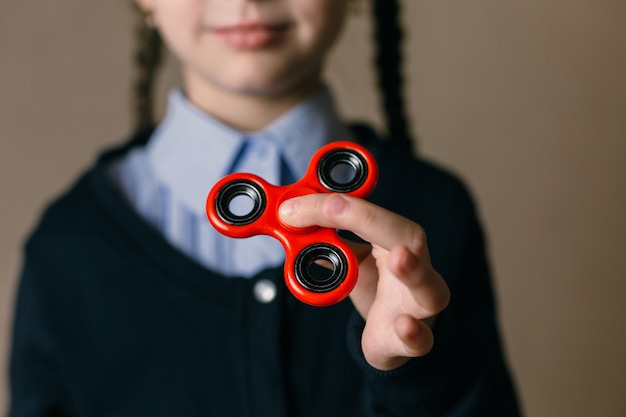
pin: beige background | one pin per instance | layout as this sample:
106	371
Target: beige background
526	100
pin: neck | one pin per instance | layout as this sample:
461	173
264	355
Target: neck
246	112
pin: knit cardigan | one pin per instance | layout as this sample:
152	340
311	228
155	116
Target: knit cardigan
111	320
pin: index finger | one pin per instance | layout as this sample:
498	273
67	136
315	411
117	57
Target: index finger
370	222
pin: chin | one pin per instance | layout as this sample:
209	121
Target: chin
262	88
276	84
259	80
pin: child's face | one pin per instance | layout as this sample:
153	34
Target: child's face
252	47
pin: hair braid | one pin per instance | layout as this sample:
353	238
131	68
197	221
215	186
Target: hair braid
147	59
388	60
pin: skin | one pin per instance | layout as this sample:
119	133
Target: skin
398	292
248	88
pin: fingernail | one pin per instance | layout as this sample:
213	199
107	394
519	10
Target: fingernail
336	204
287	209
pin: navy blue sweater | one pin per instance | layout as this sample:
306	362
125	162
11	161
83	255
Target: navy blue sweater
113	321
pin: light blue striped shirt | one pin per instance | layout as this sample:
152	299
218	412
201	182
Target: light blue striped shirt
168	180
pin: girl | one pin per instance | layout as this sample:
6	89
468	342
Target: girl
131	304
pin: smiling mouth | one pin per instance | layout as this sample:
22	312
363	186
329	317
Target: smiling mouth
252	35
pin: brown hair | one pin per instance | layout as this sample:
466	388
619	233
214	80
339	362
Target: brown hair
147	59
388	60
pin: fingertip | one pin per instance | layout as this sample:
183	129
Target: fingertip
416	336
409	262
429	288
404	263
288	209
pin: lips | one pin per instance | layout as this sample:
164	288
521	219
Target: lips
252	35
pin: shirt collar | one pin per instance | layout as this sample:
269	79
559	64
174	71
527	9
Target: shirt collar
190	150
301	131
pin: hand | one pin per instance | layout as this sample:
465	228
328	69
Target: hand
398	292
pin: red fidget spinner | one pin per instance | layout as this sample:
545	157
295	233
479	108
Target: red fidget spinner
339	167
